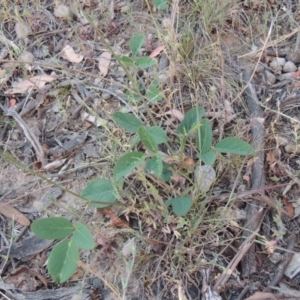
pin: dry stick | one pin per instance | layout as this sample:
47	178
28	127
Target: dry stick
258	176
287	256
244	248
31	137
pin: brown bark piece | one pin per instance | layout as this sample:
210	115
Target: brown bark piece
254	213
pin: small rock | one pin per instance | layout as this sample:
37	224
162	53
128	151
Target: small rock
286	76
270	77
280	60
106	96
120	72
275	66
289	67
163	61
294	57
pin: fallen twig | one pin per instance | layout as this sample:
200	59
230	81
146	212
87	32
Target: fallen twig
254	208
31	137
247	244
287	256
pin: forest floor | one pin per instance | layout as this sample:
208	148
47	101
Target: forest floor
83	83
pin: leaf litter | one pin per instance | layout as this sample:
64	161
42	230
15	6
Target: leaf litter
61	62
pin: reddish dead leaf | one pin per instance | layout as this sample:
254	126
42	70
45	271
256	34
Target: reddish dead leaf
37	165
289	207
296	74
179	179
104	62
78	275
271	158
189	162
10	212
70	55
12	102
118	222
36	82
262	296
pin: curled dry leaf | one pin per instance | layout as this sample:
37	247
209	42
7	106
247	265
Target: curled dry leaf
92	119
36	82
104	62
128	247
177	114
116	221
262	296
70	55
54	165
10	212
157	51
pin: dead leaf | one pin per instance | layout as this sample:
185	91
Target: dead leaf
128	248
104	62
54	165
12	102
296	74
262	296
177	114
157	51
10	212
289	207
70	55
92	119
36	82
117	222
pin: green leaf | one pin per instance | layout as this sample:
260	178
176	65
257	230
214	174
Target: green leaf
63	260
167	172
191	119
52	228
135	43
127	163
160	4
204	136
208	158
180	205
144	62
127	61
82	237
158	134
127	121
155	165
147	139
234	145
133	97
153	94
100	190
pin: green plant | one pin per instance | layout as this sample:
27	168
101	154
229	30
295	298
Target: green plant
64	256
152	92
103	192
151	137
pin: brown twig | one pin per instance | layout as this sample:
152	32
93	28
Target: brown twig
247	244
254	208
31	137
287	256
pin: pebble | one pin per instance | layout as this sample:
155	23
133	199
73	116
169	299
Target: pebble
270	77
163	61
286	76
275	66
289	67
294	57
120	72
106	96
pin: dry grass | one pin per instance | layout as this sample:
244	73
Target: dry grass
204	71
